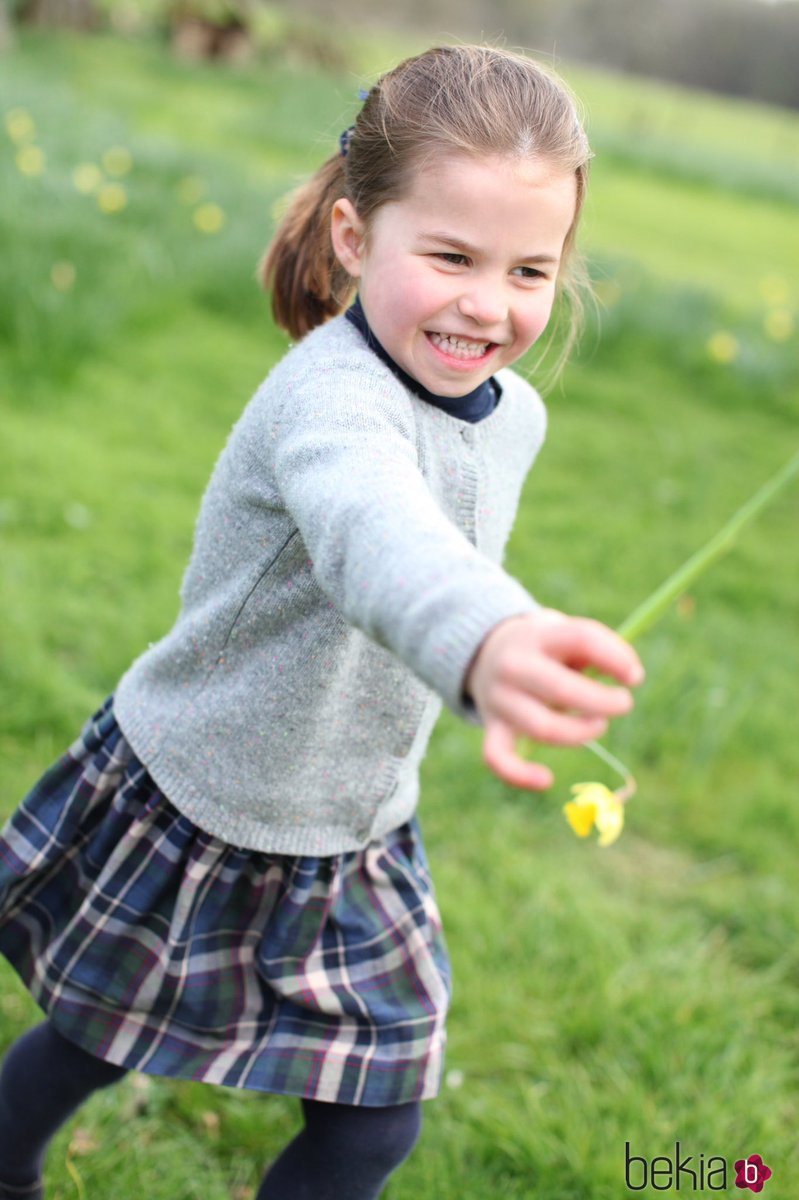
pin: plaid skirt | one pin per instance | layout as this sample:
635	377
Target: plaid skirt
161	948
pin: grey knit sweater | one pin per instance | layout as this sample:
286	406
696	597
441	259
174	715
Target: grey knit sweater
345	570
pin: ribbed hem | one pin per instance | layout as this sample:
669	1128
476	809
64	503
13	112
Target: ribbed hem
252	833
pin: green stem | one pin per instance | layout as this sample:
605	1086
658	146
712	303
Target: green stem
629	782
652	609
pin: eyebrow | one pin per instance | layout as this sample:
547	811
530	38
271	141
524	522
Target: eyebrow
464	247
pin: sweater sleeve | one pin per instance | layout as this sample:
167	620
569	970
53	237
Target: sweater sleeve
383	550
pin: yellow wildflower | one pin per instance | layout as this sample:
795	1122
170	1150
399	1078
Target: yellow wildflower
62	275
87	177
779	324
30	160
191	189
117	160
20	126
111	198
723	347
209	218
774	289
595	805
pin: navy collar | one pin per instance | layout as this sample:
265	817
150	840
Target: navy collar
474	406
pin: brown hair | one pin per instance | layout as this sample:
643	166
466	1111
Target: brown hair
475	100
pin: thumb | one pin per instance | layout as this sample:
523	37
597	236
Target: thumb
499	754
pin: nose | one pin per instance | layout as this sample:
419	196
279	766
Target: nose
485	303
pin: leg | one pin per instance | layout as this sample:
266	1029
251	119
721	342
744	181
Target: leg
44	1079
345	1152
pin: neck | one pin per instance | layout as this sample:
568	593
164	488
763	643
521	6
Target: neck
479	401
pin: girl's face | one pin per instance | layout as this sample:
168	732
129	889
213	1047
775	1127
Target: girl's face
457	279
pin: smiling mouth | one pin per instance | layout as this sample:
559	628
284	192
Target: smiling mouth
465	349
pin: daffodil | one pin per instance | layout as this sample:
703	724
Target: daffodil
20	125
779	324
595	805
209	218
111	198
87	177
117	160
191	189
723	347
30	160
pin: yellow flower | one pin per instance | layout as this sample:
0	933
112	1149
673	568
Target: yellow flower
778	324
595	805
117	160
774	289
20	126
723	347
209	218
111	198
191	189
87	177
62	275
30	160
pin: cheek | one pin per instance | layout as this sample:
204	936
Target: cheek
404	298
536	318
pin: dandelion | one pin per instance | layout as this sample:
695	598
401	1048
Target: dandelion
191	189
723	347
62	275
209	218
87	177
30	160
117	160
112	198
20	125
773	289
778	324
454	1079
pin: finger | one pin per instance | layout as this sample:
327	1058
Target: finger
583	642
499	754
566	689
529	716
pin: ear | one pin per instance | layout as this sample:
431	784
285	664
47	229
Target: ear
347	234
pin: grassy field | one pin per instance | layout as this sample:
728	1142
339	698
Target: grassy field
642	994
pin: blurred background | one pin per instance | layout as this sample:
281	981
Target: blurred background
642	994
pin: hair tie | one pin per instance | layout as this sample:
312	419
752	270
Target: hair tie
346	137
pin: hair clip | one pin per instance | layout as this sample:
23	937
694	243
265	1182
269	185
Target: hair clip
346	137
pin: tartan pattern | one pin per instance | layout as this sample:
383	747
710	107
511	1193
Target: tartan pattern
161	948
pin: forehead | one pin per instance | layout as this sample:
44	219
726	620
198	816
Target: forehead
489	197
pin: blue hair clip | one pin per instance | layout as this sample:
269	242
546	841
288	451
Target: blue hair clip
346	137
344	140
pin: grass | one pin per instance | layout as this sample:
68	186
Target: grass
644	994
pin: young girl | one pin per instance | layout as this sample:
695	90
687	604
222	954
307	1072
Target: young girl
223	879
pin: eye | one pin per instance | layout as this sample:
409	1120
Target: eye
529	273
452	257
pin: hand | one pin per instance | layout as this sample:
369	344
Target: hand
526	679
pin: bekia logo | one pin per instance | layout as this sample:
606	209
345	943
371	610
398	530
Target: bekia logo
692	1172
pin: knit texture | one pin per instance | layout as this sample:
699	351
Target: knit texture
346	568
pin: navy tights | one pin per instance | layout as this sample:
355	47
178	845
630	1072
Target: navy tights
344	1152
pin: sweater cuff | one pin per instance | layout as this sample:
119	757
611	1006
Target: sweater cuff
465	636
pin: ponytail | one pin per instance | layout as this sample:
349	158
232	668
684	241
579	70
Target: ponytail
307	281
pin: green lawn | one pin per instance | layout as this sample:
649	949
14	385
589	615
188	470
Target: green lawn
644	994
